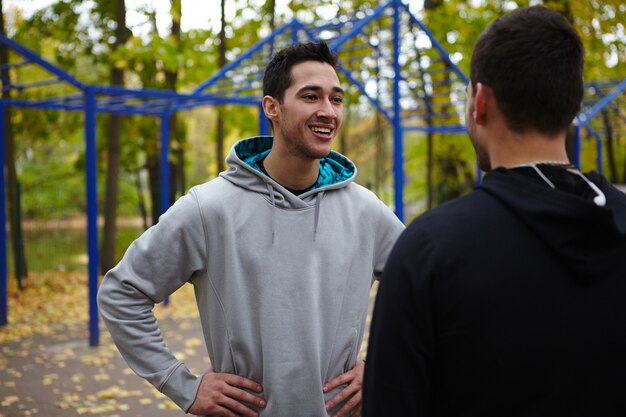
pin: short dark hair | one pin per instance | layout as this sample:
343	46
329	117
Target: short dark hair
277	77
532	58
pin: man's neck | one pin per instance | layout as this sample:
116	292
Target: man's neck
532	147
290	172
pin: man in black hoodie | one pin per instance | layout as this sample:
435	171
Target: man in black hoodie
510	301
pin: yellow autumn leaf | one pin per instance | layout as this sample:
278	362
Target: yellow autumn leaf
7	401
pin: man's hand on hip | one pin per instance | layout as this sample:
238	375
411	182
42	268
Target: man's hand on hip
351	394
223	394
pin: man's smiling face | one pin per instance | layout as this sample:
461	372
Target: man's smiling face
312	110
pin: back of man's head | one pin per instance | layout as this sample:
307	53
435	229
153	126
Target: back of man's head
532	58
277	77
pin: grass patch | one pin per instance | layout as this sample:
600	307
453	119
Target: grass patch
54	249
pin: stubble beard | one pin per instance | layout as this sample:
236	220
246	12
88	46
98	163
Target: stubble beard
481	153
298	147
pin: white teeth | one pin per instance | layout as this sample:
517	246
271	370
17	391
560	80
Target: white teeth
321	130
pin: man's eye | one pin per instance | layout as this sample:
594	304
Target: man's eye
337	100
310	97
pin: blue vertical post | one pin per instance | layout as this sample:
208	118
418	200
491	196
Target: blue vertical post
398	135
264	124
4	298
479	173
164	168
92	213
294	35
577	146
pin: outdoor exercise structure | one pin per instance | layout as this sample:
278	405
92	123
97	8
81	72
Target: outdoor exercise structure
388	54
600	96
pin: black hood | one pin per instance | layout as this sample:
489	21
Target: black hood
589	239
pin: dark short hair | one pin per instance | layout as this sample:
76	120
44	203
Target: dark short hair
532	58
277	77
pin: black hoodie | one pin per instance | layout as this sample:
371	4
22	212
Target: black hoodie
510	301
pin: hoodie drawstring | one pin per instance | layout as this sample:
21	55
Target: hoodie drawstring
270	189
318	201
599	200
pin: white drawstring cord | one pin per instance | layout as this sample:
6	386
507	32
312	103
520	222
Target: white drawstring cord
599	200
270	189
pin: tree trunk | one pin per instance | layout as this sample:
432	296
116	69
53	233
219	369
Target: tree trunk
141	201
271	12
569	144
151	145
219	134
381	157
177	140
271	5
152	166
114	132
430	162
610	157
19	257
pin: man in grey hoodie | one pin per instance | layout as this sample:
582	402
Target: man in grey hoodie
281	249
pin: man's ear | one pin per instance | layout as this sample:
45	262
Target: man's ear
482	99
270	108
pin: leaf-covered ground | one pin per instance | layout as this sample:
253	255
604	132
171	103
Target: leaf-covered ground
48	369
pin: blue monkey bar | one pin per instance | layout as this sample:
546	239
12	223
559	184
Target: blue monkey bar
3	231
396	63
61	91
388	54
599	97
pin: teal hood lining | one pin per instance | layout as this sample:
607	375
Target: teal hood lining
334	168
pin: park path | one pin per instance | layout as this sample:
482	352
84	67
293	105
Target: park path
59	375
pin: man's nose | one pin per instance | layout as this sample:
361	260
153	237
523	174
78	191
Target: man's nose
327	109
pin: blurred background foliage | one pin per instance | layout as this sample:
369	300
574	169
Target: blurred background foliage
92	41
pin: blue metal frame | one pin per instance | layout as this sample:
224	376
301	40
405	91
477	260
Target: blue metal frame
32	57
436	44
264	124
398	134
4	312
293	25
164	167
378	11
94	99
584	117
91	169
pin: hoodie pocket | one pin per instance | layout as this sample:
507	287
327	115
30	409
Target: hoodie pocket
353	350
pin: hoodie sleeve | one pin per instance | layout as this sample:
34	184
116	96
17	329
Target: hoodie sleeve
388	229
159	262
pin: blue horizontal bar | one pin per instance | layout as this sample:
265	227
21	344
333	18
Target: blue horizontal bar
36	59
583	118
436	129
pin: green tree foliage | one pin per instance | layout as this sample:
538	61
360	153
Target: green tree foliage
457	25
78	36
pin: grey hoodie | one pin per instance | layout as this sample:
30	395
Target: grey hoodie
281	281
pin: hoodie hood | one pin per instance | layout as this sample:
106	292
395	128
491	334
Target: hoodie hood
336	171
588	238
